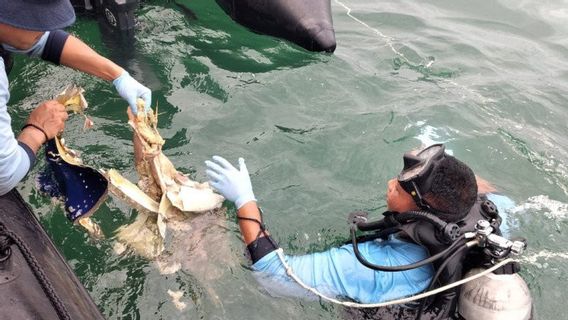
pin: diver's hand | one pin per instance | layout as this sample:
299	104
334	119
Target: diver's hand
130	90
233	184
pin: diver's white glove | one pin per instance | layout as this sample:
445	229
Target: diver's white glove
130	90
233	184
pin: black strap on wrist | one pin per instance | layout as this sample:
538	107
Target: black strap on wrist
37	127
260	224
261	246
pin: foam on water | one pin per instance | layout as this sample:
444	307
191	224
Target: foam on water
542	257
542	204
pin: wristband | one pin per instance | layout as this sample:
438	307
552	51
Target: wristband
261	247
37	127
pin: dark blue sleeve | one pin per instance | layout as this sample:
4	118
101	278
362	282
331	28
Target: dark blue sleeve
54	46
29	152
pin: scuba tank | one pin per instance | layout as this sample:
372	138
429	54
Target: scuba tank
456	248
495	297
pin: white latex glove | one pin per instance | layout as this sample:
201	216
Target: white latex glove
233	184
130	90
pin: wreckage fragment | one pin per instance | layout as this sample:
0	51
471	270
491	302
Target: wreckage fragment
162	192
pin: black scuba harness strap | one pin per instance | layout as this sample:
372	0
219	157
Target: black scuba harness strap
446	246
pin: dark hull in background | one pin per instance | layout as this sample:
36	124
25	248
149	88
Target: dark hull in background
307	23
118	14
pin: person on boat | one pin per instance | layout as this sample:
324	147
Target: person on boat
33	28
431	181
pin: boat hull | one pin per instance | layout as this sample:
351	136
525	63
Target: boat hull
22	294
306	23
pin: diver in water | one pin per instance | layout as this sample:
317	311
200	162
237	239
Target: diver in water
429	201
33	28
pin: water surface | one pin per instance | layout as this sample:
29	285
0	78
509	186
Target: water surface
321	135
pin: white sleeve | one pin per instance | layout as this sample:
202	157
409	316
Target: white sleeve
14	160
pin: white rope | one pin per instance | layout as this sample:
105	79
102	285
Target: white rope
290	273
389	43
388	40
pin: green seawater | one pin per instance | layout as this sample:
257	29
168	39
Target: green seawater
321	135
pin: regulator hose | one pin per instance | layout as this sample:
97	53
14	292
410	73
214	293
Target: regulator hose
459	242
403	217
439	272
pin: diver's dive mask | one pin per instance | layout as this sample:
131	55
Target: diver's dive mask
416	176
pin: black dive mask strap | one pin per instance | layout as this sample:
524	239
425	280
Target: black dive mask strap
414	191
417	197
417	175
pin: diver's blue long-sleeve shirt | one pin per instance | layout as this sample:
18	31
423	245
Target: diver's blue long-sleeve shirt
16	159
338	273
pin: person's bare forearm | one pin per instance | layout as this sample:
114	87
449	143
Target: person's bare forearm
33	138
250	229
483	186
77	55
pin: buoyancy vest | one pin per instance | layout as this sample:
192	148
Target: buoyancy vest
443	305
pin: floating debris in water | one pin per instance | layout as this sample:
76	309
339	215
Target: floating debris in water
67	178
162	193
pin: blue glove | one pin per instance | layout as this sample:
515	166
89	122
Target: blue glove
233	184
130	90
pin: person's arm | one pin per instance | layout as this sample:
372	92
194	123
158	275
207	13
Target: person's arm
483	186
235	186
44	123
250	229
61	48
335	272
79	56
18	156
15	160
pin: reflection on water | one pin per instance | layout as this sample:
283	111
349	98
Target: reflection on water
321	134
